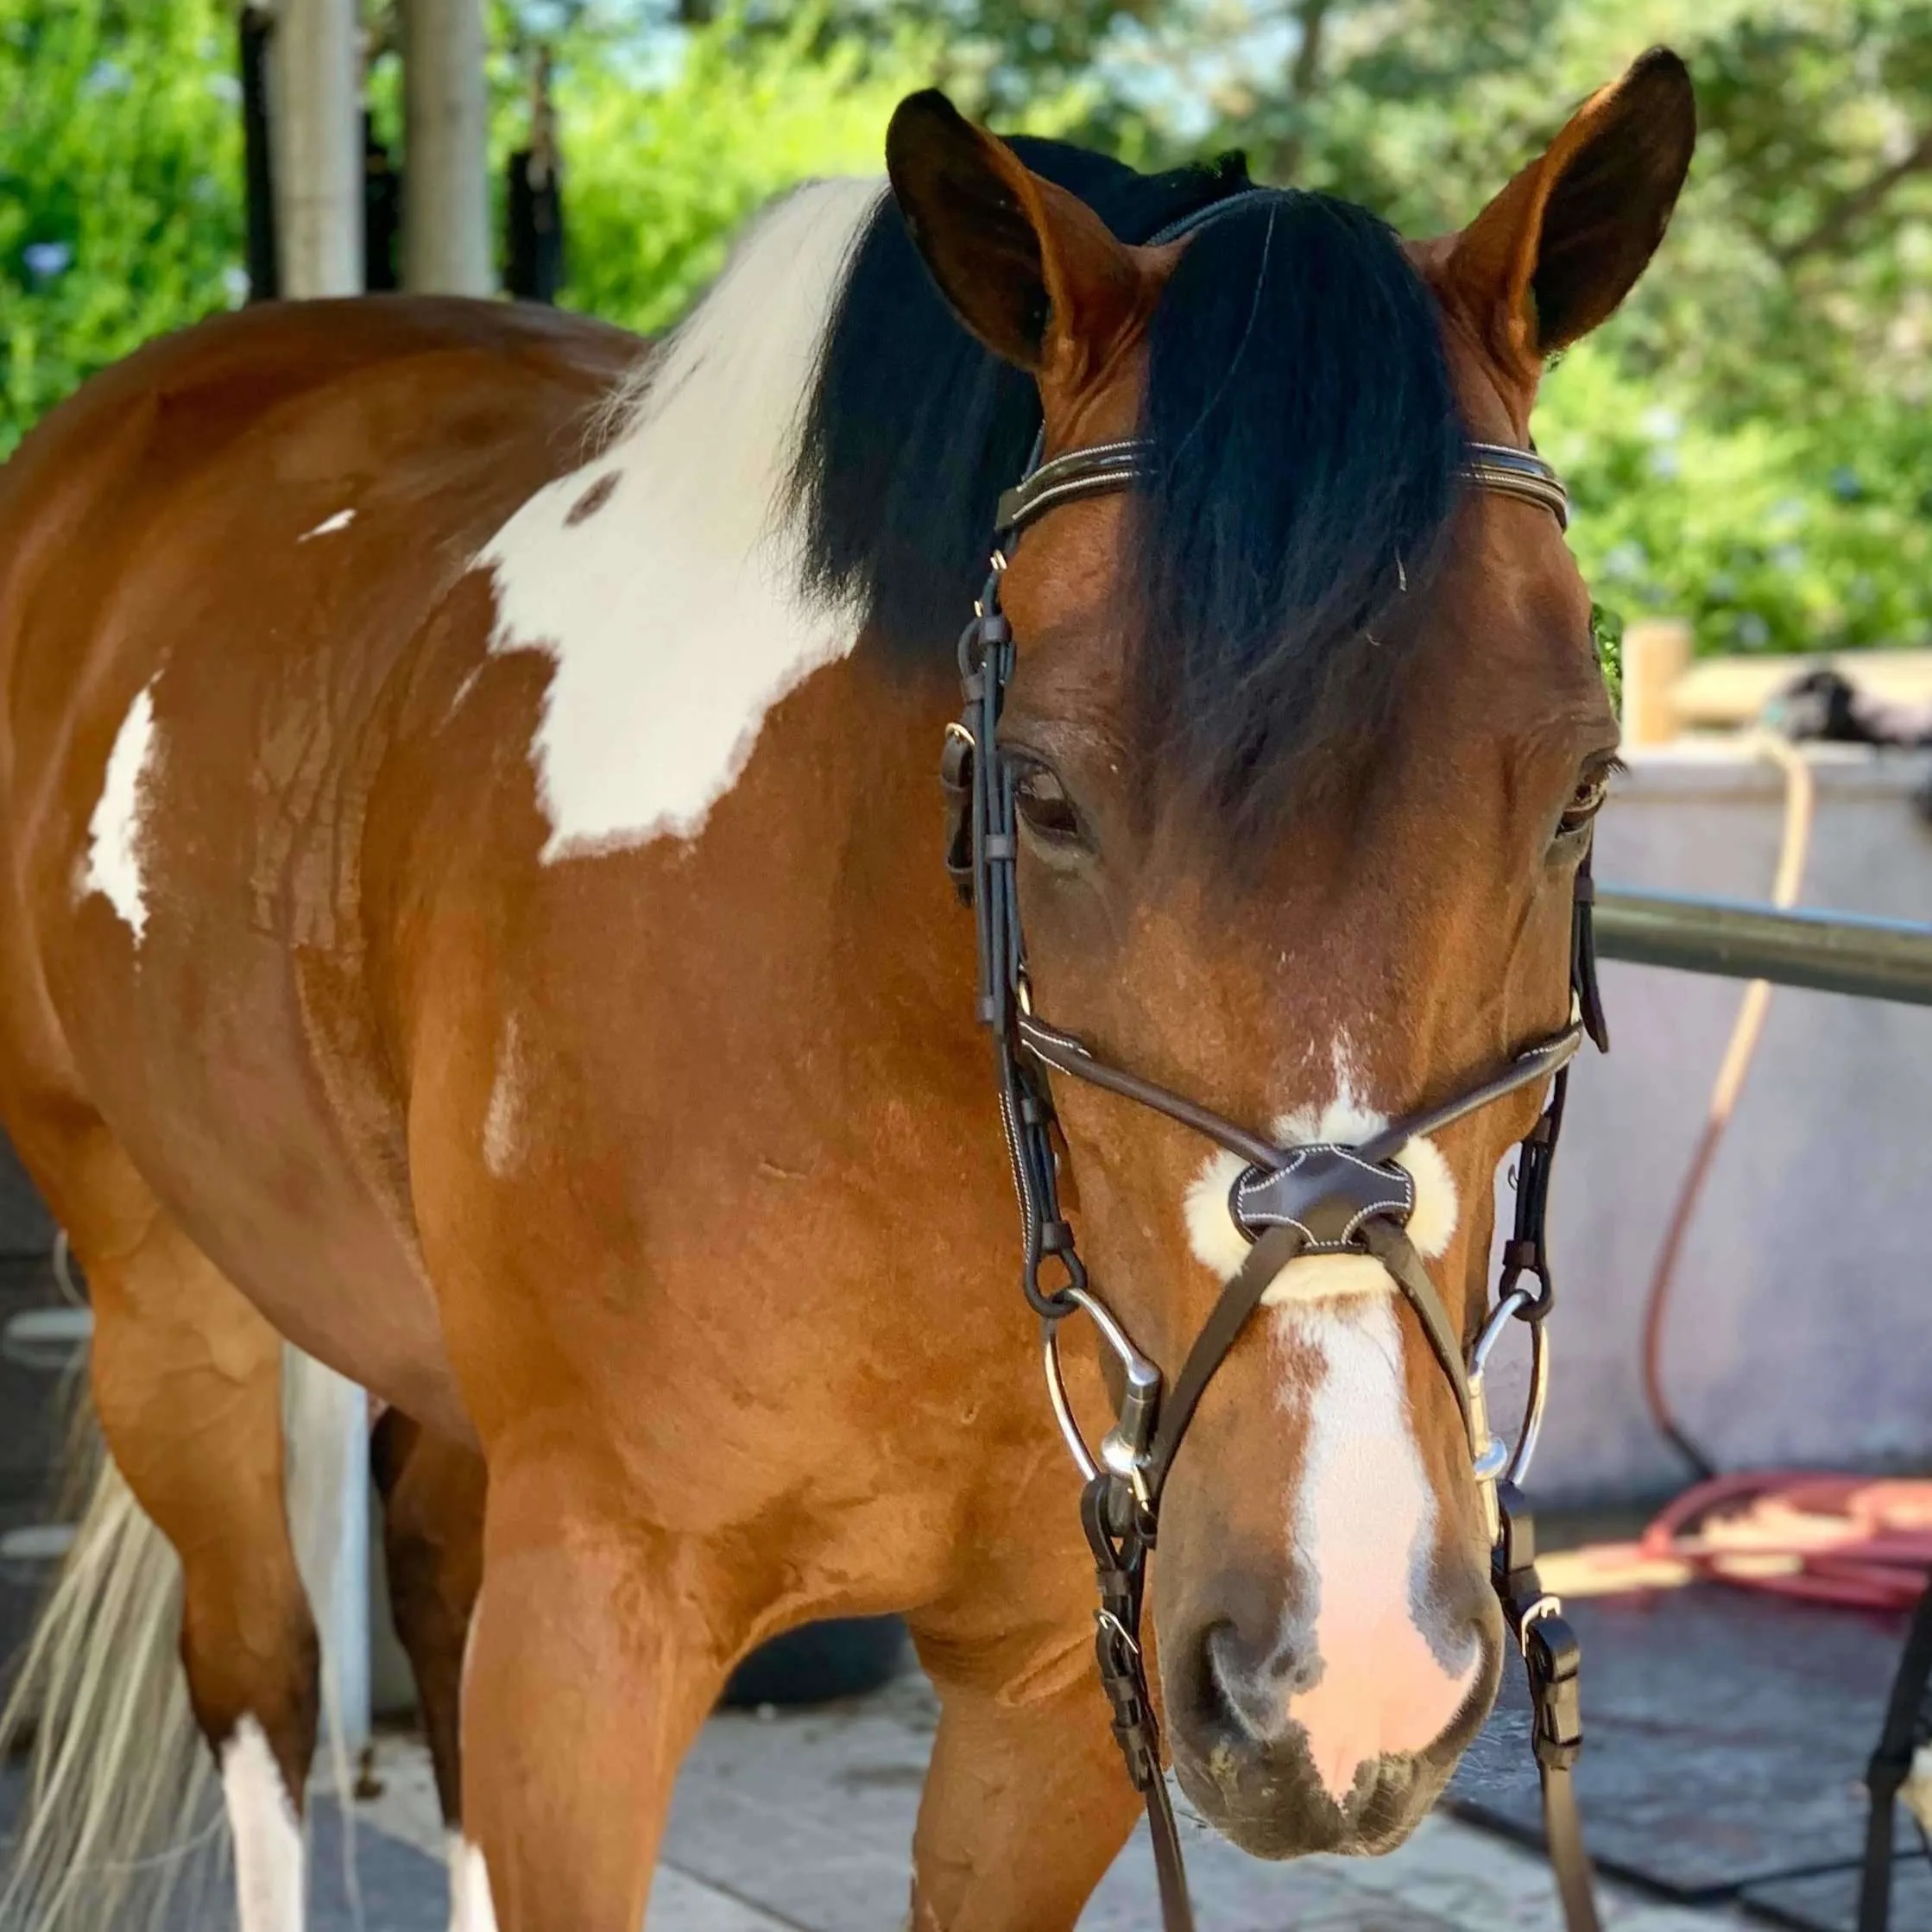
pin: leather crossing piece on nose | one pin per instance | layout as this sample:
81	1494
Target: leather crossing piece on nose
1323	1190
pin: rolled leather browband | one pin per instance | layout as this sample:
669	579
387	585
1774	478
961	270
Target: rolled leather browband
1102	467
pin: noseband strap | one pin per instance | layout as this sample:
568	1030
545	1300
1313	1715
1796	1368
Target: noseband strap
1289	1202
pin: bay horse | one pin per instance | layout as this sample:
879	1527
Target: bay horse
474	913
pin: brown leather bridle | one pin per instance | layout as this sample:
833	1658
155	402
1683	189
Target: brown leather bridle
1319	1198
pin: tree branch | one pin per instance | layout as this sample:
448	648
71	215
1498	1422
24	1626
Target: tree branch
1303	72
1308	55
1850	209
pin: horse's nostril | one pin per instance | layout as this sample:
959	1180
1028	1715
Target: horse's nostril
1265	1706
1248	1683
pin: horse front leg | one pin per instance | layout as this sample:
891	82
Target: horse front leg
596	1654
1027	1800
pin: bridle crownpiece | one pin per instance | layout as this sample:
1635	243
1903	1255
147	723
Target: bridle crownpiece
1288	1202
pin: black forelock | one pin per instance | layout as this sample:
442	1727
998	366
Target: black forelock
1306	443
912	429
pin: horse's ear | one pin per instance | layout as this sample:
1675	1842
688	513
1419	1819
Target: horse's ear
1553	254
1032	270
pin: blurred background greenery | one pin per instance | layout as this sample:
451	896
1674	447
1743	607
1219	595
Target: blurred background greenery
1748	440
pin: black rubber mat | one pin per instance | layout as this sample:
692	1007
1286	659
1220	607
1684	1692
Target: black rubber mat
1827	1901
1726	1739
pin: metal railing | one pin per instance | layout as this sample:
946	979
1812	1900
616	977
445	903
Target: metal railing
1835	952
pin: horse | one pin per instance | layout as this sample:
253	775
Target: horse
474	913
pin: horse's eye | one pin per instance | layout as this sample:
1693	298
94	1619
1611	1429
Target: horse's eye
1585	802
1042	802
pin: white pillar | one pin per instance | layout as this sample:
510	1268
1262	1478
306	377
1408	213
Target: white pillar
316	114
316	108
445	214
326	1420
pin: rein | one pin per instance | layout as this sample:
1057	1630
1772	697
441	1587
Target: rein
1319	1198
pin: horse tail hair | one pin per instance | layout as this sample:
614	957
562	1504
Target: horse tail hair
120	1809
122	1813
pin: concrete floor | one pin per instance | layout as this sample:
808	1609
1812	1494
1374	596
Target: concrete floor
804	1821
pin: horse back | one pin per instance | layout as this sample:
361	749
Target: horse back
229	567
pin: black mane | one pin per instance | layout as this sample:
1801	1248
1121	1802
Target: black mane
1306	441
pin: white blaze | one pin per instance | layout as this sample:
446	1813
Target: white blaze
1363	1523
271	1877
328	526
113	867
662	577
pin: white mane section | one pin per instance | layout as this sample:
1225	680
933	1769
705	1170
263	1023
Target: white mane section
672	608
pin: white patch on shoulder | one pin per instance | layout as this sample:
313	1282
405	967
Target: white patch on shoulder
1220	1246
328	526
270	1878
1364	1524
470	1909
113	866
505	1114
663	576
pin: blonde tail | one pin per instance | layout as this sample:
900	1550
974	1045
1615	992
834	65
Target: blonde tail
123	1808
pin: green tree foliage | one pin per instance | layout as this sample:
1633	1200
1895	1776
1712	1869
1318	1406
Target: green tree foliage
1748	440
658	180
120	195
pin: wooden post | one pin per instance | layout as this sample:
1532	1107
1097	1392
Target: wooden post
317	128
1657	653
445	169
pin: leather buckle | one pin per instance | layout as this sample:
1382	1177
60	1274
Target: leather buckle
1555	1660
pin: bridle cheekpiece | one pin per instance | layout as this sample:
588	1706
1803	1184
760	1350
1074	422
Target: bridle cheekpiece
1286	1201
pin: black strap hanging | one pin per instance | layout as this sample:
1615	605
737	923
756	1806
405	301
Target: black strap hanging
534	259
381	214
255	34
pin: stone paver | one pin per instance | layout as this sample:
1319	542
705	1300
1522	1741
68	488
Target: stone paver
804	1821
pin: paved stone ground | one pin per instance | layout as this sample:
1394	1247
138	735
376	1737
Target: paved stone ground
803	1823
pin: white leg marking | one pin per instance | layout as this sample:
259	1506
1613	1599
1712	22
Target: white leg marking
328	526
470	1909
1364	1524
270	1874
500	1123
114	831
663	576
